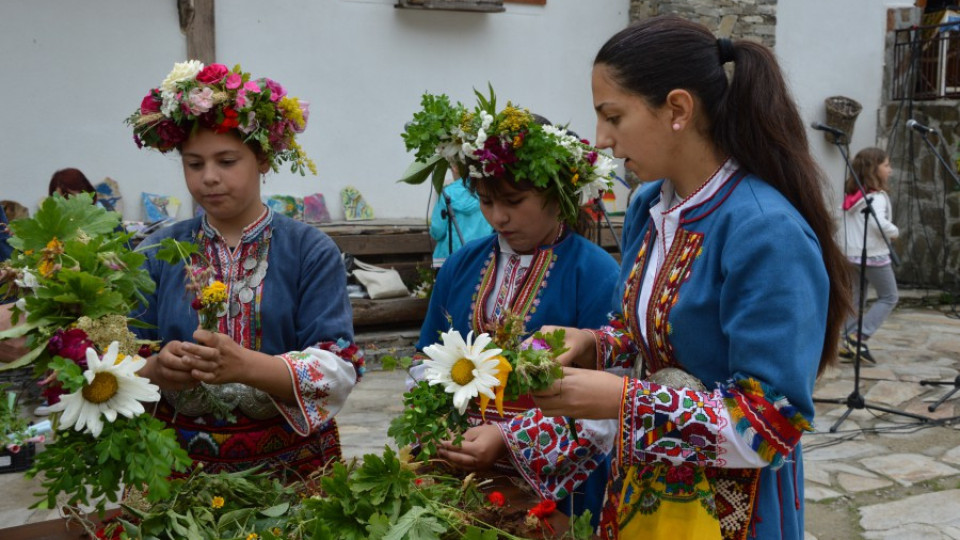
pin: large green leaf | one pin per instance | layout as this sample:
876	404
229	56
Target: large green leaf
415	525
63	219
25	359
419	171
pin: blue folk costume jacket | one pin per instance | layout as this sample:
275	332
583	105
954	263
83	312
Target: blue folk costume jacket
287	297
569	283
741	304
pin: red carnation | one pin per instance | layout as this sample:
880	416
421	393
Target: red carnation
213	73
197	304
496	498
170	135
73	345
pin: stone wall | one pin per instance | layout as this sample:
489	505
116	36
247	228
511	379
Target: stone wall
740	19
925	197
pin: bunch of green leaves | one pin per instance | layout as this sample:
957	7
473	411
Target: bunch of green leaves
385	499
428	416
212	506
83	267
140	452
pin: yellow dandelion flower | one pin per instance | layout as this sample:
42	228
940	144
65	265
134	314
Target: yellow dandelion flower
276	531
214	293
217	502
253	536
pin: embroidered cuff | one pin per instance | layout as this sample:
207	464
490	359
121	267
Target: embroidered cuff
764	419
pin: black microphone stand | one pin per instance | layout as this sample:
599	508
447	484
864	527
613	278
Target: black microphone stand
955	382
447	213
855	400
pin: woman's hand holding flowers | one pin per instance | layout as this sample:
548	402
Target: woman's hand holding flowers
168	368
482	446
215	358
582	393
581	346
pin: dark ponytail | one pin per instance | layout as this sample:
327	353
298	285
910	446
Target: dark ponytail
751	118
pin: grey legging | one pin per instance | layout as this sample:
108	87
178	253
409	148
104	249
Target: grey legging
883	280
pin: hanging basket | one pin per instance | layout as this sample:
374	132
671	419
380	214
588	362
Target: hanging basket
842	113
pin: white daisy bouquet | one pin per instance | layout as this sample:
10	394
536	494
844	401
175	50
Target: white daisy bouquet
465	374
76	279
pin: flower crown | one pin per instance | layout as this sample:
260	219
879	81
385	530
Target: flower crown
214	97
486	143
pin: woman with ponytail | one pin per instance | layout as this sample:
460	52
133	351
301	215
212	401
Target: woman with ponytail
731	291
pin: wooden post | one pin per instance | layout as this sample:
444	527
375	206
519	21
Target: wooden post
197	23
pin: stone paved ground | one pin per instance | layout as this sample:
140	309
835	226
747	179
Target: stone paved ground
883	475
880	476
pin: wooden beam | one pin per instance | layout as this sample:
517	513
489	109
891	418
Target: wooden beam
395	312
362	244
198	24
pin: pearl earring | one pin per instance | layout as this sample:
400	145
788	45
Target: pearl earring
676	126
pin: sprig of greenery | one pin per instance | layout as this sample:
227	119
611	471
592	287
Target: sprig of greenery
214	506
428	418
138	452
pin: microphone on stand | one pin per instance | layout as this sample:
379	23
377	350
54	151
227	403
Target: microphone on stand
829	129
919	128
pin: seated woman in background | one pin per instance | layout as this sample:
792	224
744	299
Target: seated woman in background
536	266
282	361
70	181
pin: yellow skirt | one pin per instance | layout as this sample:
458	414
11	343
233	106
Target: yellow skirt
665	502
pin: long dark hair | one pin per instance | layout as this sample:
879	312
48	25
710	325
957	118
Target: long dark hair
865	165
751	117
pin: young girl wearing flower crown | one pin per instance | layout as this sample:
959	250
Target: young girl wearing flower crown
531	179
263	388
872	167
730	278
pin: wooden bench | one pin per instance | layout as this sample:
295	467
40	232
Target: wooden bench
388	326
392	326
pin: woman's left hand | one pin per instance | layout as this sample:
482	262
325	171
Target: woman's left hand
582	393
482	446
215	358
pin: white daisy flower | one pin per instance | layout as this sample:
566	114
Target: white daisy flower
112	387
464	368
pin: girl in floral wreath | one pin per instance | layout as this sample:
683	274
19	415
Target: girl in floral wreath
263	387
531	179
730	282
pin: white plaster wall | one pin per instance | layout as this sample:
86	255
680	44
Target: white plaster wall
835	48
70	73
73	71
